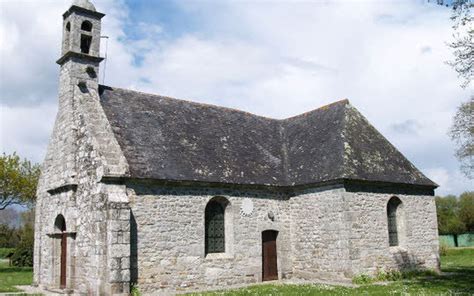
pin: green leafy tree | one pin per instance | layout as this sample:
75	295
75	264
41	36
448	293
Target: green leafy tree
447	210
18	181
466	210
462	133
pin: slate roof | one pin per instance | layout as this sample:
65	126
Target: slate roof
176	140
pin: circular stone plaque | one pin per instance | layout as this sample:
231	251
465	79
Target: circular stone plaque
247	207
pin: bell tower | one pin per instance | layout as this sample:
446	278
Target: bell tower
78	84
80	51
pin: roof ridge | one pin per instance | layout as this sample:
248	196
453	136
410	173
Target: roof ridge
327	106
194	102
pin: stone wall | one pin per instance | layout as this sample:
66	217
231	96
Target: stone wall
418	233
338	234
83	206
324	233
170	250
81	153
319	232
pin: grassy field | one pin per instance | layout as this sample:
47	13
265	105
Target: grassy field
457	279
13	276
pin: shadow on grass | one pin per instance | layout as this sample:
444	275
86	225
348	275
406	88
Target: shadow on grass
453	281
15	269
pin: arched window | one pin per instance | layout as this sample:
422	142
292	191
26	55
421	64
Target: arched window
215	227
393	219
86	26
60	223
68	27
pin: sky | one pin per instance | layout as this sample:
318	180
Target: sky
272	58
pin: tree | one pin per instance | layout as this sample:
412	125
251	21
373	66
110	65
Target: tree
10	217
9	237
462	133
466	210
18	181
463	46
462	129
447	211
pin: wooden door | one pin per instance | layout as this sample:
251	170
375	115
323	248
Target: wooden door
269	255
62	280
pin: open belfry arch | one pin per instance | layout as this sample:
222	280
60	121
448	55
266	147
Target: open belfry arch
170	195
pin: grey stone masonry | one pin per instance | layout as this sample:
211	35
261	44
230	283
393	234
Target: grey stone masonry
124	197
340	234
82	150
170	237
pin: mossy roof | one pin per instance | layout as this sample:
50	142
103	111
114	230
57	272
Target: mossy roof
176	140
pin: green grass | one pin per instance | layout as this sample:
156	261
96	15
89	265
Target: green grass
14	276
457	279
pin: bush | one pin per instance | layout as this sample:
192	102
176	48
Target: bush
362	279
391	276
23	254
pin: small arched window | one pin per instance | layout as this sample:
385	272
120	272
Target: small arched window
66	37
215	227
60	223
86	26
393	220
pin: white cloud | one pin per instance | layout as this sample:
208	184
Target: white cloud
272	58
441	176
26	130
449	182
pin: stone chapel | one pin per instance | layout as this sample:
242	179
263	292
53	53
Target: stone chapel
171	195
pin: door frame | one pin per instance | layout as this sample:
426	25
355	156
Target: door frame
63	262
269	235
